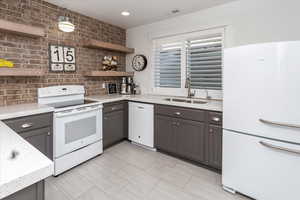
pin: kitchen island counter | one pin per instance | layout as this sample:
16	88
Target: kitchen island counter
21	110
21	165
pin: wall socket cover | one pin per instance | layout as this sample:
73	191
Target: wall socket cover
103	85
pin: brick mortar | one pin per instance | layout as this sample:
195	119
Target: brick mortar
27	52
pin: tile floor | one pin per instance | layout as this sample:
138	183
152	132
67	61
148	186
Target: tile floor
129	172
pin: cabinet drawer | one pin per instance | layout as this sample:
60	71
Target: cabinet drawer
113	107
28	123
215	118
184	113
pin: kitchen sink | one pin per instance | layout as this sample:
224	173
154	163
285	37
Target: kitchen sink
179	100
200	102
192	101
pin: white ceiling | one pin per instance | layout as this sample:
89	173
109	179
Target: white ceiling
142	11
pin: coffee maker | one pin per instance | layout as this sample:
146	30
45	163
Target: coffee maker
130	85
127	85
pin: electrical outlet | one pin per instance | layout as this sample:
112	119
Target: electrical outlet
103	85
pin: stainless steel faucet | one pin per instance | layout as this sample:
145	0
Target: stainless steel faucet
188	86
207	96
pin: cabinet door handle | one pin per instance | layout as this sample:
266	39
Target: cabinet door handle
27	125
81	109
113	108
140	107
177	113
48	133
279	148
216	119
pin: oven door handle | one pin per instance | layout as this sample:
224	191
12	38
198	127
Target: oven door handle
76	111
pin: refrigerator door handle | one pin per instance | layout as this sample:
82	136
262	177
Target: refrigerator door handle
279	124
265	144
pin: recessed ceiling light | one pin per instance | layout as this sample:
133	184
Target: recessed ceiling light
125	13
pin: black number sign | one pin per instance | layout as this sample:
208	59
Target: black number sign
62	55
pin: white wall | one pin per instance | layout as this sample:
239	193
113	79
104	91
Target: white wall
245	21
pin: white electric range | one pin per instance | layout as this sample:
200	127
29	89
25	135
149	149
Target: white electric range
77	125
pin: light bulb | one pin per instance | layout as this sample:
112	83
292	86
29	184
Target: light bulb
65	25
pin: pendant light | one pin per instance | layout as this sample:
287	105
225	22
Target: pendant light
65	25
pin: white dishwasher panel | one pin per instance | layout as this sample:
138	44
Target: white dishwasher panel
141	123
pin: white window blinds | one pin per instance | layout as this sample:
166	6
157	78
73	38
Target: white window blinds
204	62
168	65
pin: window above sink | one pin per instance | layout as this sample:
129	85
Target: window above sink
196	55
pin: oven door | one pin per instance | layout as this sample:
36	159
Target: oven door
76	128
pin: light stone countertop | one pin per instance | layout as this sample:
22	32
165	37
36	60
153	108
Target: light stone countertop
157	99
29	167
20	110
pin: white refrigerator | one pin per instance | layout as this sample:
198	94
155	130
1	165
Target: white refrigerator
261	137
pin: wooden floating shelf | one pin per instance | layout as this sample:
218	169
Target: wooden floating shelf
108	74
21	29
96	44
21	72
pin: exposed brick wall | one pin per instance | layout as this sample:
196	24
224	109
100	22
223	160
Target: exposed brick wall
27	52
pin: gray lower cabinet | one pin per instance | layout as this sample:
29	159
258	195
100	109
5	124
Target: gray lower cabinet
191	139
40	139
114	123
189	133
37	130
214	146
166	138
33	192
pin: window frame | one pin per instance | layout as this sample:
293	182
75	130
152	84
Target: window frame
182	38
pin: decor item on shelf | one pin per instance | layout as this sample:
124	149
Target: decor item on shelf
62	58
65	25
139	62
110	63
6	63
